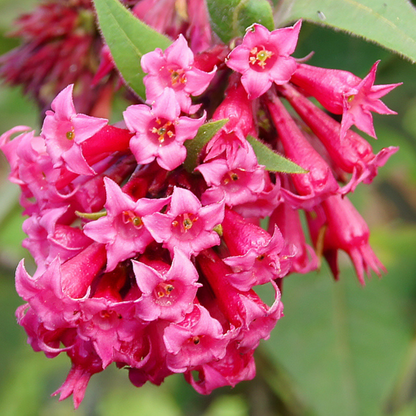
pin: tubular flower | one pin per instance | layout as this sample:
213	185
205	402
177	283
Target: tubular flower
146	234
344	229
342	92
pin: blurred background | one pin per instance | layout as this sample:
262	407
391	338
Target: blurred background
341	349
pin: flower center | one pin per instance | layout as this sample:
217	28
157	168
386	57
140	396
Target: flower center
163	130
196	340
350	98
70	135
177	77
230	177
259	56
106	319
164	290
130	216
184	222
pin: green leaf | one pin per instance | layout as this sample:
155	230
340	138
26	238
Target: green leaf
272	160
128	39
231	18
390	23
193	147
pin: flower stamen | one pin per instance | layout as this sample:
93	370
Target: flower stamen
260	57
70	135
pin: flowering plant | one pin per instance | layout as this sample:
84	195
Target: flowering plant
151	235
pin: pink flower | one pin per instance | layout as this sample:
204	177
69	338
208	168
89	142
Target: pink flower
187	224
263	57
64	131
122	229
247	315
232	369
159	14
342	92
160	132
166	294
237	180
174	69
314	186
345	230
352	154
256	256
199	30
108	324
47	238
197	340
85	363
287	219
238	109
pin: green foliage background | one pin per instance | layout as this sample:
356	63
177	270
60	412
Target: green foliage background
341	349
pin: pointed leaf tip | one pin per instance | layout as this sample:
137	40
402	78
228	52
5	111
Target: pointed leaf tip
272	160
128	39
194	147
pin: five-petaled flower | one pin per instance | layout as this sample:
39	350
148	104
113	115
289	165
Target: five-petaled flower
263	57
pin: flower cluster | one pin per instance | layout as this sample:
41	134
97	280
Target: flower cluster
146	264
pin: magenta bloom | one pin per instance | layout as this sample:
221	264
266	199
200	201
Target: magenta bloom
229	371
47	238
197	340
316	185
238	109
166	294
237	180
160	132
287	219
256	256
122	229
345	230
187	224
64	131
341	92
174	69
352	154
263	57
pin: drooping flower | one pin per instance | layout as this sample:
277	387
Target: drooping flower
344	229
304	258
246	313
318	183
263	57
341	92
352	154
